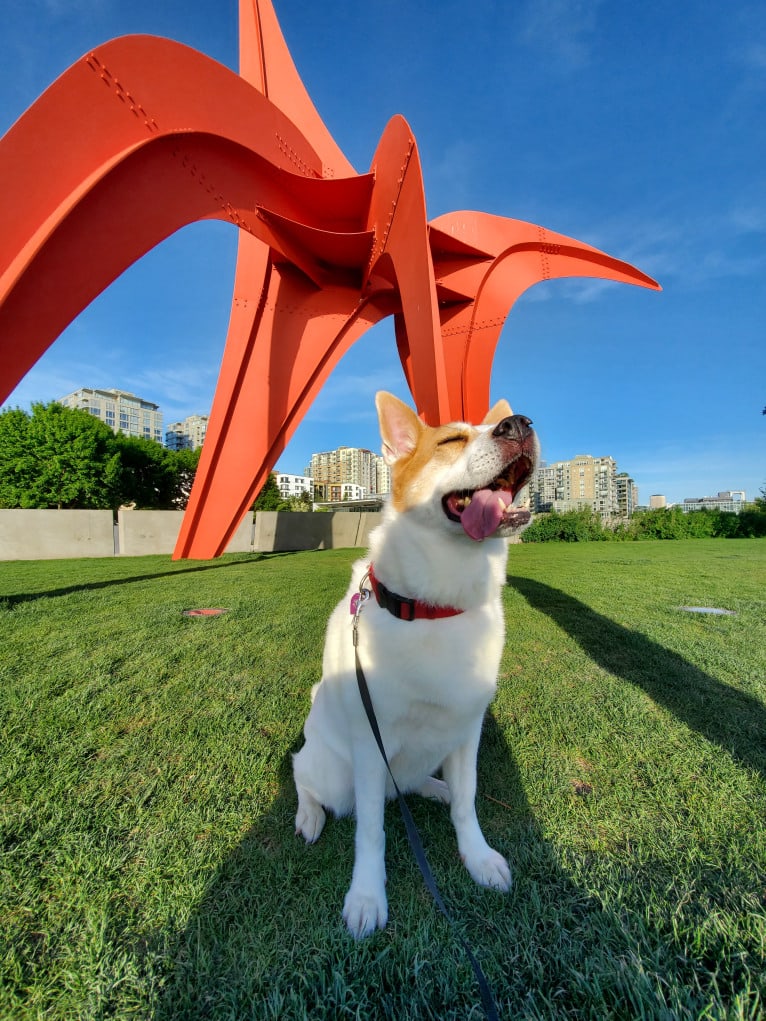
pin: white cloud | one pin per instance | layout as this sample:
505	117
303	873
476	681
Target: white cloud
351	398
691	249
562	30
50	380
189	387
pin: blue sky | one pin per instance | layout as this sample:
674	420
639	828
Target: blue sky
637	128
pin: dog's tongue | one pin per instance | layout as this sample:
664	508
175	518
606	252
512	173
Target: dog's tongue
483	515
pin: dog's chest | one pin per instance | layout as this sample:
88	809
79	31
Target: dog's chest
434	673
425	713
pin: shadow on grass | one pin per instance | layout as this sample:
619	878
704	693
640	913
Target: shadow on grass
267	940
732	719
10	601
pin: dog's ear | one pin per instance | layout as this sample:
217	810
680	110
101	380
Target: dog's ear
497	413
400	427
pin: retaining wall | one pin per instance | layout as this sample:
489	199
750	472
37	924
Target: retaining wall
55	534
284	531
143	532
59	534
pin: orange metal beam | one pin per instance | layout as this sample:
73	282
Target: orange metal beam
147	135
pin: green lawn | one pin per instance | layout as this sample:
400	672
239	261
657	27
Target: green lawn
149	866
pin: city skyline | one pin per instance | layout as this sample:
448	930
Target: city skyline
190	432
587	120
192	428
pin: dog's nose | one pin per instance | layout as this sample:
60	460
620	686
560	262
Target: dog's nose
515	427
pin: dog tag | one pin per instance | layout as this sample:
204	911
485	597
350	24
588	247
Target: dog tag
355	603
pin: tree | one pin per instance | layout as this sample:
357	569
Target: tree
185	462
301	502
269	498
17	464
153	477
147	476
64	457
59	457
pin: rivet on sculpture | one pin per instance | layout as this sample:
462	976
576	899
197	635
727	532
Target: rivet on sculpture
143	136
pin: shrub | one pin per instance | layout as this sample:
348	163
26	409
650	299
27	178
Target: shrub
661	523
569	526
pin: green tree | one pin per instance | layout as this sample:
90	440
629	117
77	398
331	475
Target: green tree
302	502
17	464
269	498
153	477
752	520
60	457
65	458
185	464
147	476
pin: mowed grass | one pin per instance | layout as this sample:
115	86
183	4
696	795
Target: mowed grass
149	864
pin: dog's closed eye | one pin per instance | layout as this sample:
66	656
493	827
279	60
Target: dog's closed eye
454	438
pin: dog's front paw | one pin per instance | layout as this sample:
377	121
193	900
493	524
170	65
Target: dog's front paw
364	911
489	868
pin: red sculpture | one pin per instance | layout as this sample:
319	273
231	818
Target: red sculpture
144	135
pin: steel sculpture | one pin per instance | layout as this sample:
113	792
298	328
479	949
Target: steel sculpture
143	136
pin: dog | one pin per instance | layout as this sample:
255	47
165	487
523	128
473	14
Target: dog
429	642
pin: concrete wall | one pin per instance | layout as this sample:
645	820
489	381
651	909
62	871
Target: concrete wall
283	531
53	534
143	532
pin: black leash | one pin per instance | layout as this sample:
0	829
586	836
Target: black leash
409	823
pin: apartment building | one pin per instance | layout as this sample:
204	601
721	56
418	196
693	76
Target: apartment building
332	470
121	410
291	486
626	492
187	435
338	492
584	481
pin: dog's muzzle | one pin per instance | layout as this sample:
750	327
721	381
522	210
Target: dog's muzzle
489	509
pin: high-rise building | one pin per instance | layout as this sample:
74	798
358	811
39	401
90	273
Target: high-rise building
350	466
121	410
187	435
584	481
657	501
627	494
383	476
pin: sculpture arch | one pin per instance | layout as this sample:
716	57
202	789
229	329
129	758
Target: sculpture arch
148	135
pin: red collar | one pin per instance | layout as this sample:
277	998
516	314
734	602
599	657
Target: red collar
407	609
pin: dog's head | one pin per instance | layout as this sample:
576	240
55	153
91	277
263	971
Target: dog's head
466	478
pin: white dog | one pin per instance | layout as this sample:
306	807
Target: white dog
429	643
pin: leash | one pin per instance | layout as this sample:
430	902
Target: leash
413	836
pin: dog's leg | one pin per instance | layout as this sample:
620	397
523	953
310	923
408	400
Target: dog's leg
485	865
436	790
322	780
310	818
366	907
311	763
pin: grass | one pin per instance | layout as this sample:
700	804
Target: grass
149	866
